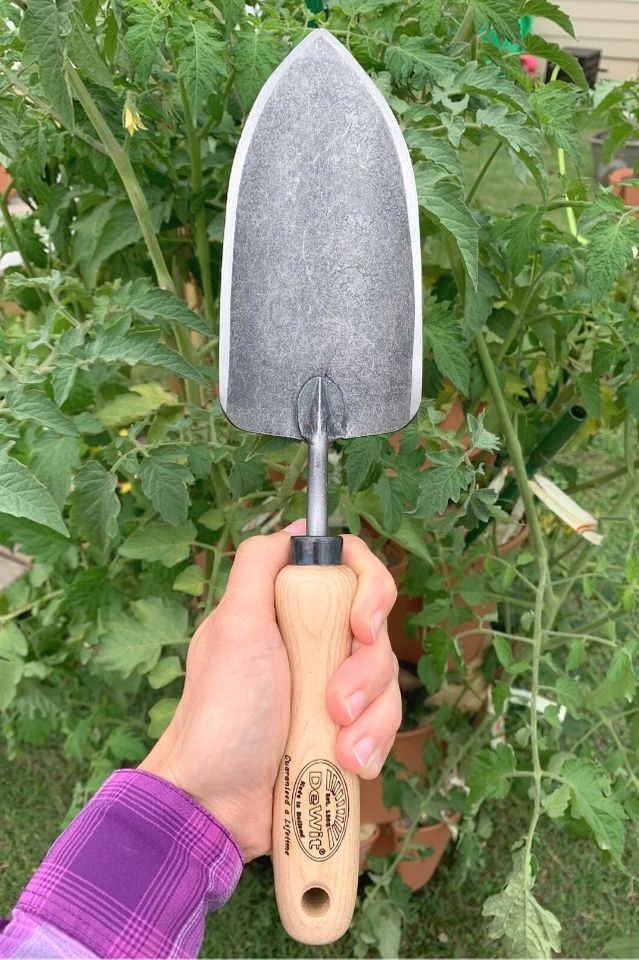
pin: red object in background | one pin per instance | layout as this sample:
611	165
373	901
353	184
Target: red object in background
529	63
629	194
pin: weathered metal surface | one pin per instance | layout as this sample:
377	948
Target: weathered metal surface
321	267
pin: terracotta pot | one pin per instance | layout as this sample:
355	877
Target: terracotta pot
473	642
629	194
385	842
409	750
416	873
368	834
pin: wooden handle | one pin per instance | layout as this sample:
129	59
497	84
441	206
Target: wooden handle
316	802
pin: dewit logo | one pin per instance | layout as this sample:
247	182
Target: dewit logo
321	809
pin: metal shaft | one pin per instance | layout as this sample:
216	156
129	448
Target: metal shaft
317	509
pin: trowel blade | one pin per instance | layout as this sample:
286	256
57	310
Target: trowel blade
321	270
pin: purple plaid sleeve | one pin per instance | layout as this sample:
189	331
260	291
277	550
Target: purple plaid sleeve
135	873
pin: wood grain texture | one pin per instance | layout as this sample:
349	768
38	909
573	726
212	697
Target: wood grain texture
316	802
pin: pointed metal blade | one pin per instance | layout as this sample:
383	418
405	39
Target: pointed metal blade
321	270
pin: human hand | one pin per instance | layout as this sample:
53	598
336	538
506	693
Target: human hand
226	740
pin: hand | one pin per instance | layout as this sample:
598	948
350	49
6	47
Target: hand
226	740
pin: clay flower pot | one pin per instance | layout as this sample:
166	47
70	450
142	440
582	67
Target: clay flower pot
368	835
415	873
409	750
473	640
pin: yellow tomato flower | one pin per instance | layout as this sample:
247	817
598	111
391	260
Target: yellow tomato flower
125	487
123	432
131	119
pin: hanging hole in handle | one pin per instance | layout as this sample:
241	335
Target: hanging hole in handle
316	901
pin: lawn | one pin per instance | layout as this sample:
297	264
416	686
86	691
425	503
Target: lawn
595	901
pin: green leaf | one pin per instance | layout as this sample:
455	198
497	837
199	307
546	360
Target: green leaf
127	407
13	643
620	683
556	105
165	544
489	774
501	15
527	928
569	694
44	26
200	64
522	237
10	674
256	54
556	803
53	461
487	80
95	506
442	333
410	60
124	746
479	436
10	132
632	399
22	495
83	52
63	378
165	486
190	580
160	716
133	644
233	14
591	801
165	671
441	484
430	15
391	498
539	47
106	228
437	150
143	348
609	251
144	39
544	8
590	391
159	307
361	454
519	137
444	204
35	405
431	668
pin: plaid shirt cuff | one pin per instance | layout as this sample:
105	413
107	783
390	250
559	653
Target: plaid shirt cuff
136	872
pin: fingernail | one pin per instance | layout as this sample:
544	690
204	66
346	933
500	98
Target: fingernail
376	621
364	751
355	704
298	526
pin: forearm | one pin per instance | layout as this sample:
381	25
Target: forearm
134	875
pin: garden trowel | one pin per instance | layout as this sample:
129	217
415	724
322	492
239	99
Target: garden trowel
320	337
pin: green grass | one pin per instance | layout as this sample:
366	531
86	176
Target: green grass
594	900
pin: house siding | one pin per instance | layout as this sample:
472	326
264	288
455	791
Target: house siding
611	26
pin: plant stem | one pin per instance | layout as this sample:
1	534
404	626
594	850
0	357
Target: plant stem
482	173
201	238
602	478
515	453
466	29
137	200
129	180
